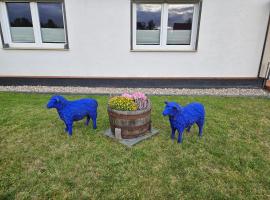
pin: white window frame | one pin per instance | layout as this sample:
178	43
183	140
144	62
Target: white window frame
38	44
163	30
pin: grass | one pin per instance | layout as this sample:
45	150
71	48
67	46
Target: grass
39	161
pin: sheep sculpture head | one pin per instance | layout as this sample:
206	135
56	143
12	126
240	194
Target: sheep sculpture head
56	102
171	109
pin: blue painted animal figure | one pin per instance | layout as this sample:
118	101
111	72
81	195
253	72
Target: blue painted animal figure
70	111
182	118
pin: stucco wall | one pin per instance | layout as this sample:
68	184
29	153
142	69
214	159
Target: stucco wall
231	39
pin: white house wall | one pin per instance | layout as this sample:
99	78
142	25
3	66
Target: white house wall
232	34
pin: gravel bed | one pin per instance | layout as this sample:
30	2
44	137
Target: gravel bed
149	91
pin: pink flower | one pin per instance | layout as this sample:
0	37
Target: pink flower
139	95
127	95
140	99
136	95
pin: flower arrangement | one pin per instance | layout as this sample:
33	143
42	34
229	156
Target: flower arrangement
129	102
122	103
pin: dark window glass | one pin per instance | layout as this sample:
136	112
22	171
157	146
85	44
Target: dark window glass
51	22
180	24
148	24
19	14
20	20
50	15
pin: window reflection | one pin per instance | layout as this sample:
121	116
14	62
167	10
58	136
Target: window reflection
179	24
20	20
51	22
148	24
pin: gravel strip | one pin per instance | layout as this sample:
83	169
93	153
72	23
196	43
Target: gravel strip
149	91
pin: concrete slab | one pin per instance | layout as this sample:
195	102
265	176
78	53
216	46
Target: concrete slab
131	142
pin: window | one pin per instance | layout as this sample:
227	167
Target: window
179	24
165	26
51	22
148	24
31	25
20	22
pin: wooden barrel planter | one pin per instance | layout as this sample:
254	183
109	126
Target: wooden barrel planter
267	85
131	123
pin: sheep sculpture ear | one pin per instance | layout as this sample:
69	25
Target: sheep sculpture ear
57	99
177	107
166	102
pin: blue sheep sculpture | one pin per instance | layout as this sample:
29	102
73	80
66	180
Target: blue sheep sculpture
70	111
182	118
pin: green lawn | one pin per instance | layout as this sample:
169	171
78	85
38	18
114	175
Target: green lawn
39	161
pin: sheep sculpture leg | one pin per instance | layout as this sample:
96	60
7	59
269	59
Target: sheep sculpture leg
70	125
94	120
87	120
94	123
68	128
173	133
200	125
180	136
173	130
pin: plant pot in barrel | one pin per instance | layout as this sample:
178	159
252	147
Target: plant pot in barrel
130	116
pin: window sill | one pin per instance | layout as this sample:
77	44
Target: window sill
160	48
163	50
23	46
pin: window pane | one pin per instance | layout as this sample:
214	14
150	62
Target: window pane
148	24
51	22
180	24
20	21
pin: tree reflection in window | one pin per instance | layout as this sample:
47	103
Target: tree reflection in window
148	24
20	21
180	24
51	22
50	15
19	14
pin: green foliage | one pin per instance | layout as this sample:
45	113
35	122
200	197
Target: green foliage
39	161
122	103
